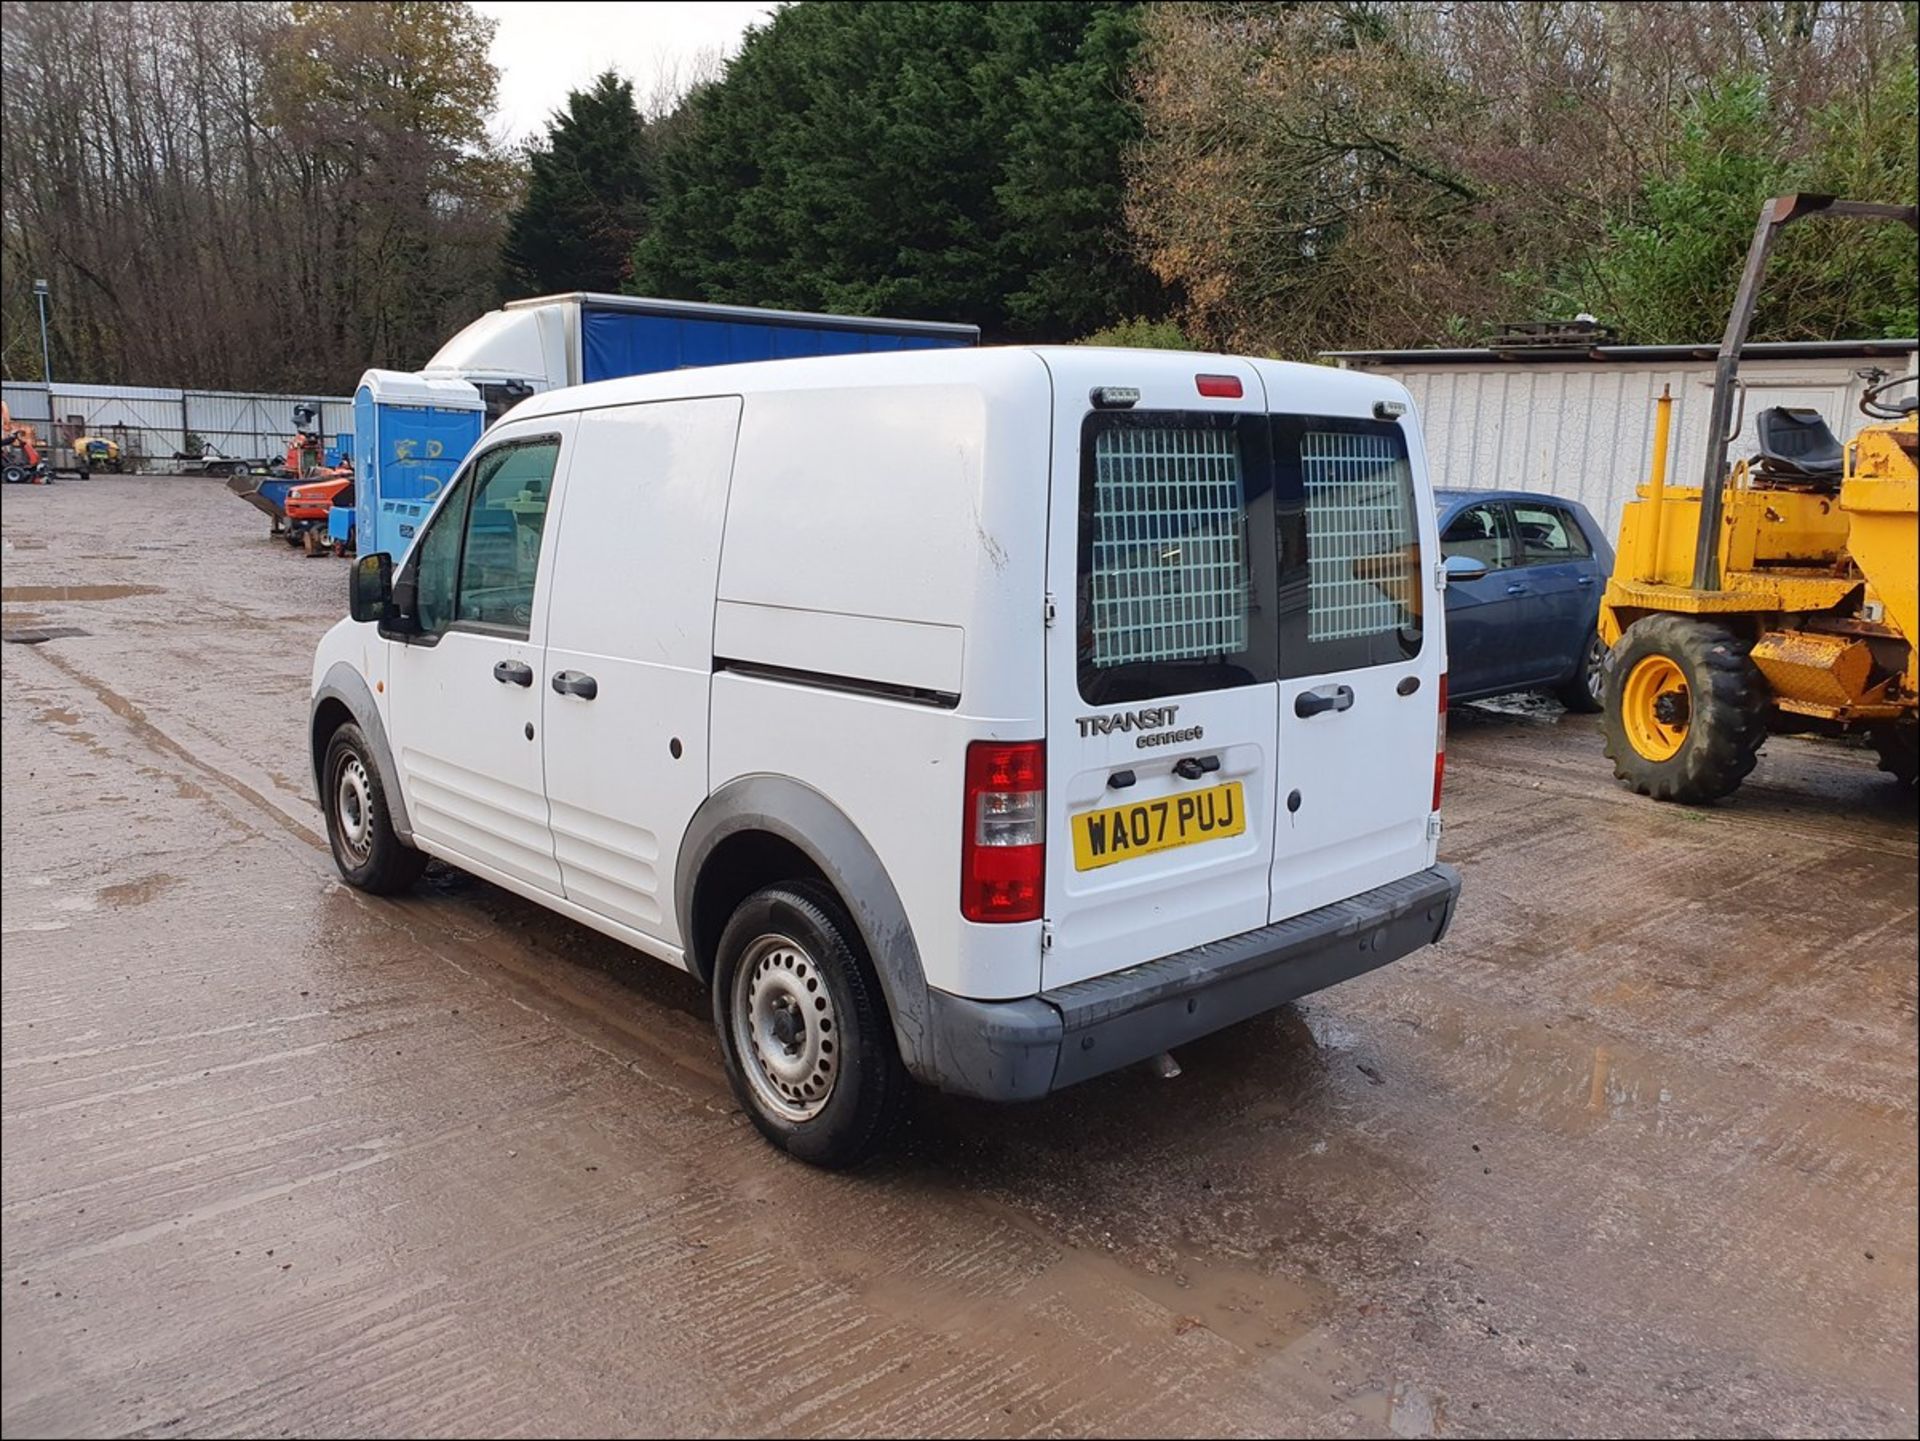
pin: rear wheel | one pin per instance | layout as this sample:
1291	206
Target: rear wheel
803	1027
1685	709
1585	690
369	854
1899	748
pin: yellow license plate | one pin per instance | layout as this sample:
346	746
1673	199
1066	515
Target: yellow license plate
1119	833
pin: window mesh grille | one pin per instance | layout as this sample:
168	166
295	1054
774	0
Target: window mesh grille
1361	542
1169	572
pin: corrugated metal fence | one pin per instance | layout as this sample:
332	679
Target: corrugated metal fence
157	427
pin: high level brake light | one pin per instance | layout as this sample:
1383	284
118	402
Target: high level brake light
1221	387
1003	855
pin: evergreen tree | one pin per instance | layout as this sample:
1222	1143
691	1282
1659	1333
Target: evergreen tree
586	197
920	159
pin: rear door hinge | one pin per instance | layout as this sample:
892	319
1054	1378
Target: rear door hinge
1434	825
1440	576
1046	935
1051	610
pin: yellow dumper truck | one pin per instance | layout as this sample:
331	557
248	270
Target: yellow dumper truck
1778	596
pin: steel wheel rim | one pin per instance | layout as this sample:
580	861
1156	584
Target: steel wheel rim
1656	707
786	1028
1597	670
353	807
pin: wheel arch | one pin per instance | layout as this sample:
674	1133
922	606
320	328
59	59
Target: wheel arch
752	832
345	696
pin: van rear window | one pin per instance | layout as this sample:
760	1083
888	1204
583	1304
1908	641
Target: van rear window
1169	572
1363	547
1176	550
1224	548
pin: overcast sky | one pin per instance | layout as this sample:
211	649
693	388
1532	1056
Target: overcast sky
545	49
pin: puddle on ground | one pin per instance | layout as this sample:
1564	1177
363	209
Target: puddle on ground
13	593
1522	705
139	892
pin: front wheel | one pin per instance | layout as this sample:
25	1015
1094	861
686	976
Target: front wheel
803	1027
1899	748
1585	691
1686	709
371	857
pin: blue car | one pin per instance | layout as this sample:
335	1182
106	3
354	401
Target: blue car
1524	578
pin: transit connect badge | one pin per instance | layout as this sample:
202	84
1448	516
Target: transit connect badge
1148	718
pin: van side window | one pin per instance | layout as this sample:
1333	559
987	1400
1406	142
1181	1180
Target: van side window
1351	581
1480	533
435	561
501	556
1175	537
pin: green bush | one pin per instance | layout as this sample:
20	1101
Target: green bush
1141	334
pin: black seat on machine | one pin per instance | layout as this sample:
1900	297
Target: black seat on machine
1796	443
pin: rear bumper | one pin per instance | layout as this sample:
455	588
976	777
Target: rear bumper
1021	1050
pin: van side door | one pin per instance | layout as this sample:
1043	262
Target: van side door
465	698
629	661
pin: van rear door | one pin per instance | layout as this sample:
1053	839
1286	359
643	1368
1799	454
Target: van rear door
1161	660
1361	655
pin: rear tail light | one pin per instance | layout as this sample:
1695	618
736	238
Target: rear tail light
1440	744
1003	855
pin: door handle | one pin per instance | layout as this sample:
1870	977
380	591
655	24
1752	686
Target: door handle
1586	580
513	672
576	682
1191	768
1516	589
1313	702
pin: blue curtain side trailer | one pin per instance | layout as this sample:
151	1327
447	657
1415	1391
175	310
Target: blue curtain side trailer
557	340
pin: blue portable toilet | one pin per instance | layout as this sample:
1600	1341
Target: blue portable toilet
410	433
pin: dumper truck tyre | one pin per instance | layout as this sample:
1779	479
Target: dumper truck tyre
1686	709
359	826
804	1029
1899	748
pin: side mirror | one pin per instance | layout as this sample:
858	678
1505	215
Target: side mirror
1464	567
370	588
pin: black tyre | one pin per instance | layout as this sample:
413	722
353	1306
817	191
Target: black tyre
804	1028
359	826
1686	709
1585	691
1899	748
16	475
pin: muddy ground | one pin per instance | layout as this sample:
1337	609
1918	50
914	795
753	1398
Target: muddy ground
1633	1151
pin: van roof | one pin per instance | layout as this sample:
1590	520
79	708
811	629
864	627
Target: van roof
992	365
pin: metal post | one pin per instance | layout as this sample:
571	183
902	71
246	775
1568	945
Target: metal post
1653	532
46	362
1713	484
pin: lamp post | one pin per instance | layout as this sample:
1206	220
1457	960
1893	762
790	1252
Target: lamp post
46	364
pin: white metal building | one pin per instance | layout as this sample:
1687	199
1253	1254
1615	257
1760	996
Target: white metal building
152	423
1582	425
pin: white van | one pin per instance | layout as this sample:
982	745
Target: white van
990	718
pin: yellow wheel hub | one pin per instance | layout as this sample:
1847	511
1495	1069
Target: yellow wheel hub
1656	707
